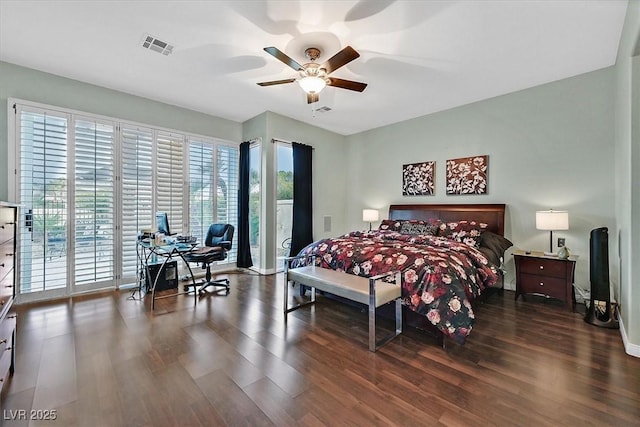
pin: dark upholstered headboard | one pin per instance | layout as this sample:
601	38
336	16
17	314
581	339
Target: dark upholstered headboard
491	214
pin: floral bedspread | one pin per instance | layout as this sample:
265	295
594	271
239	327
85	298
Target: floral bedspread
439	276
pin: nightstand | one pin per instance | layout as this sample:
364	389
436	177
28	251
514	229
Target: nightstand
537	273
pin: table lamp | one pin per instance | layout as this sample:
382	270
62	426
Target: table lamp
552	220
369	215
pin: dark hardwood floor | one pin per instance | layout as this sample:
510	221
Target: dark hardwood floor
105	360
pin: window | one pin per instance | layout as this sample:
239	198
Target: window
94	215
284	199
137	192
169	178
227	192
201	188
43	194
213	197
254	202
90	185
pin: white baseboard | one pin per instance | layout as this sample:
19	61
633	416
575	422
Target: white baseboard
630	348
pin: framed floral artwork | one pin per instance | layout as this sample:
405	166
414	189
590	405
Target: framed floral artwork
467	175
418	179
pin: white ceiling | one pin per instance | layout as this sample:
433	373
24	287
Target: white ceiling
418	57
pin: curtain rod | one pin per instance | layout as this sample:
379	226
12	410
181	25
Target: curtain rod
274	140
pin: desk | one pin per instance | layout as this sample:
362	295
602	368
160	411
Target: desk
149	253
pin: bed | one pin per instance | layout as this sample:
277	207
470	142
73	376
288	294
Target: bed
449	256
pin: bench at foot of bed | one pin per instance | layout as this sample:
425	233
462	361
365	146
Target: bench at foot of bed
370	291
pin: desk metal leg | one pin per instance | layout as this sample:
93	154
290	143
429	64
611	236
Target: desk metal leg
144	256
193	279
155	282
140	273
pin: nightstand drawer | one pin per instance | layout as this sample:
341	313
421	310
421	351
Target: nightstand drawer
552	286
543	267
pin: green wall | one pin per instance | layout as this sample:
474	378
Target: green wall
572	144
627	166
329	165
550	146
31	85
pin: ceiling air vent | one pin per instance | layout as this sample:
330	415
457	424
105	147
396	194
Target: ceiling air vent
156	45
323	109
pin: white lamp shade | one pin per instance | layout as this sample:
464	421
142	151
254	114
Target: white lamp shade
312	84
552	220
369	215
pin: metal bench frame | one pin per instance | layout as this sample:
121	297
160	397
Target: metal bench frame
293	275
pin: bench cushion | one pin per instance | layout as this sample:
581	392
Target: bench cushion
349	286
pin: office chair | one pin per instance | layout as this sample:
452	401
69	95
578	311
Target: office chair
216	245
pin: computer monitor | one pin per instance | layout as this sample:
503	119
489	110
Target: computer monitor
163	223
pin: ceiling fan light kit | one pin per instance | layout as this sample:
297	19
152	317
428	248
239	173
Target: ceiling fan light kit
314	77
312	84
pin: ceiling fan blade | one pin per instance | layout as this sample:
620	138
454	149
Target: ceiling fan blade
276	82
347	84
278	54
312	97
341	58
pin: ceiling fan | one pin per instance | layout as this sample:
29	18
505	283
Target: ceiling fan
314	77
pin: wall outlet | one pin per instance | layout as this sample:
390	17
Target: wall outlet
561	242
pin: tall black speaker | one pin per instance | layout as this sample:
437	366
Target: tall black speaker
601	312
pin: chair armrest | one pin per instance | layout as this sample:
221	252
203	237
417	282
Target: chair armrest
225	244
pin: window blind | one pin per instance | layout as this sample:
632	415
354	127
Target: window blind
201	188
227	191
169	178
88	183
43	194
94	199
137	192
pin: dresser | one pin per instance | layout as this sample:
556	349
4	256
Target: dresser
537	273
8	220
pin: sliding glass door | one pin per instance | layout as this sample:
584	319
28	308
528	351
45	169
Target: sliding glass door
284	200
67	234
201	188
169	185
137	193
255	152
226	181
89	185
93	207
44	197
